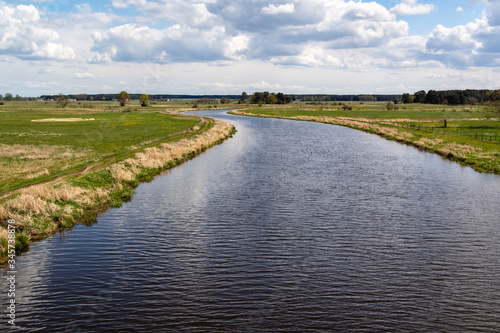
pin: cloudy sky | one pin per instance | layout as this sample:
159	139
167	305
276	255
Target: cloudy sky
230	46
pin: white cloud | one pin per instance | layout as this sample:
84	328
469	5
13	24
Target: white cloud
452	39
460	10
288	8
22	35
411	7
236	46
188	12
473	44
133	43
84	75
238	30
123	4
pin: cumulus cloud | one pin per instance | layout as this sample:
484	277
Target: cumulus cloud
130	42
22	35
452	39
339	34
193	13
288	8
412	7
221	30
460	10
473	44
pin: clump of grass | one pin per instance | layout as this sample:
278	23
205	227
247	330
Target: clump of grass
455	150
121	173
3	242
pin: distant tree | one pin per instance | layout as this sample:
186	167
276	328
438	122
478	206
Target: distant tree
406	98
244	97
225	100
434	97
419	96
390	106
123	98
144	99
282	98
62	100
494	100
18	98
256	98
1	96
271	99
453	99
367	98
8	97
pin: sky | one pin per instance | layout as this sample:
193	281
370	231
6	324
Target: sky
230	46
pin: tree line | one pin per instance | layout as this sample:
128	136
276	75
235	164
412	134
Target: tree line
344	98
136	96
453	97
449	97
265	98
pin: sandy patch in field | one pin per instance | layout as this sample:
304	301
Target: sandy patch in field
61	119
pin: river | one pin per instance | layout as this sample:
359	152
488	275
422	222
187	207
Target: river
288	226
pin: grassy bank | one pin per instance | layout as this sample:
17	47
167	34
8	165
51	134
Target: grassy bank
60	167
468	135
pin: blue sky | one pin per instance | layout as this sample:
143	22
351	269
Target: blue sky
230	46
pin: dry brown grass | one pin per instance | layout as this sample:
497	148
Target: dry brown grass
3	237
3	233
29	152
30	161
121	173
428	143
457	150
31	205
4	213
63	192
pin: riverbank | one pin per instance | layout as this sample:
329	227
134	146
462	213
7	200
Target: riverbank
43	209
424	131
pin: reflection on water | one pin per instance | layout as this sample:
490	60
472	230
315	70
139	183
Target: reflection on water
289	226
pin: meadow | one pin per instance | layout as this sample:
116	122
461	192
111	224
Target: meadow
469	134
61	166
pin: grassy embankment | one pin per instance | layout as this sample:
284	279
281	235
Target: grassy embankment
55	173
471	136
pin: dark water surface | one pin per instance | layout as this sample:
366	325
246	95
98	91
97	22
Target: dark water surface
289	226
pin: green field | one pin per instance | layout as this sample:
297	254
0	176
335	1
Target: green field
35	147
62	166
471	135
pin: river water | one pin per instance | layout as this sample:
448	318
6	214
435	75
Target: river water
289	226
